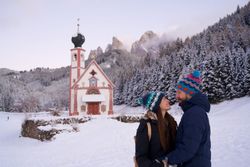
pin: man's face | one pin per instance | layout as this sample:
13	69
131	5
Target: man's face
181	96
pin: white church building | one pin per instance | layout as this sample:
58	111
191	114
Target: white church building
91	91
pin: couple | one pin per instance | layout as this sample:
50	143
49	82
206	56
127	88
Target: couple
186	146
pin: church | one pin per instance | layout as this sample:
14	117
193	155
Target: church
91	91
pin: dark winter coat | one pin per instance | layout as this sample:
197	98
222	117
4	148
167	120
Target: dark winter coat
148	152
193	135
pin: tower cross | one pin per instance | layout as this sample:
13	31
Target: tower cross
78	25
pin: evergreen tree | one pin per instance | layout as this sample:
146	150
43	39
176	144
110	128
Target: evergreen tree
137	88
171	93
125	92
119	91
225	74
211	84
247	75
238	71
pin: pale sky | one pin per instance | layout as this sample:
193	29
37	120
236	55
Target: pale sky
37	33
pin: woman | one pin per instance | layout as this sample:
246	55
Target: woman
151	148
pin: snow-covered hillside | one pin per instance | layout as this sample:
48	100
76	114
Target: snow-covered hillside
104	142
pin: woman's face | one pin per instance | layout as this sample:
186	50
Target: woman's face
164	105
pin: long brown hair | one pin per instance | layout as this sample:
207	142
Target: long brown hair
167	130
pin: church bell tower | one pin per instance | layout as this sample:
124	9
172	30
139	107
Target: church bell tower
76	69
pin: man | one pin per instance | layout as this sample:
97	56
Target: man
193	135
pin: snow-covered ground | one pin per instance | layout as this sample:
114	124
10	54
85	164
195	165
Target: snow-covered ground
104	142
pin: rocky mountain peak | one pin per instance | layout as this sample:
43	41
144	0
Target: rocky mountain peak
141	47
117	44
95	53
147	36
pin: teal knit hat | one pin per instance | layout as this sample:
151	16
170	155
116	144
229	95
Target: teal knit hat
152	100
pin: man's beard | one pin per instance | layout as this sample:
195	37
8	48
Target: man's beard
182	100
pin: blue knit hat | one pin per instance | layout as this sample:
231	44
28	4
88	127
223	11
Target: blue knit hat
151	101
191	84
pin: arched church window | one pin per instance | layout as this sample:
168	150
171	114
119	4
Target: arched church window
75	57
93	82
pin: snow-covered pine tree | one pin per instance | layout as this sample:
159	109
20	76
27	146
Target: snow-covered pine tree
155	76
125	93
247	74
146	81
136	89
161	77
208	80
225	74
118	90
215	86
171	93
165	79
7	96
238	71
